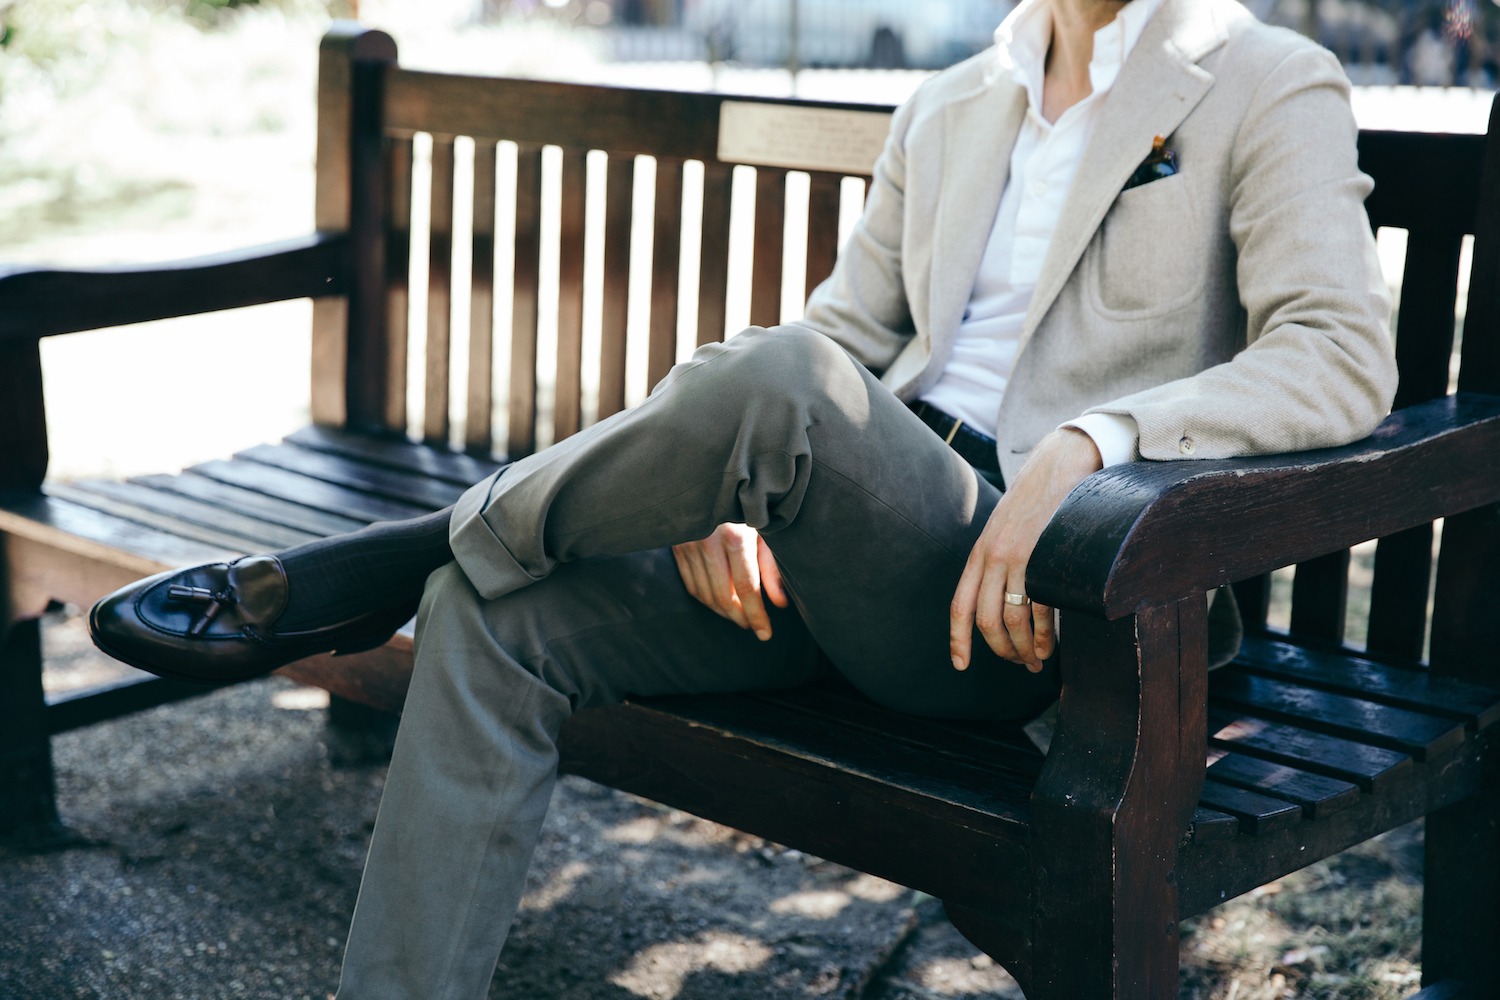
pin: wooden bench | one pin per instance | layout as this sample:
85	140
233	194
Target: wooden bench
1072	870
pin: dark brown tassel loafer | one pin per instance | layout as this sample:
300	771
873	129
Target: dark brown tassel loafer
217	623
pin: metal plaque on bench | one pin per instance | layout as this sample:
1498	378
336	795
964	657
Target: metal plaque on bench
799	138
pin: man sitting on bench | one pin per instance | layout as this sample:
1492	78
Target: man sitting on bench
1129	230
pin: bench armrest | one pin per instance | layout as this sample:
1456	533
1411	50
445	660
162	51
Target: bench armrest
40	302
1151	533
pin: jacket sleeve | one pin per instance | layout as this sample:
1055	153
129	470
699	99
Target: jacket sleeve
862	305
1318	369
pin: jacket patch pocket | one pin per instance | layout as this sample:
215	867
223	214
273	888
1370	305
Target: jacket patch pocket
1148	255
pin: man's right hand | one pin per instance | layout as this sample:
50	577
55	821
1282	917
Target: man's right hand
727	570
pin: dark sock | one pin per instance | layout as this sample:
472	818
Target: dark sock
383	565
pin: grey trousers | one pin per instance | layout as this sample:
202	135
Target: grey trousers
564	595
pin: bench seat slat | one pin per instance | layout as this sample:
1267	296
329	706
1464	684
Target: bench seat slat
396	454
1338	715
262	533
1317	794
400	486
276	511
58	522
1209	826
309	492
1371	768
1400	687
226	540
1258	814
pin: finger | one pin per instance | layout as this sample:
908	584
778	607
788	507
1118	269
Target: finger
685	570
695	575
744	567
1018	620
1043	627
989	612
770	574
722	583
961	613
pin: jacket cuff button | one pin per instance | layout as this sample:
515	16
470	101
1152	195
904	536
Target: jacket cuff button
1185	445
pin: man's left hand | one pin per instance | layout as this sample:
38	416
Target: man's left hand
1024	633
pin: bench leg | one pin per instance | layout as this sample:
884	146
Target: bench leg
28	803
1461	896
359	734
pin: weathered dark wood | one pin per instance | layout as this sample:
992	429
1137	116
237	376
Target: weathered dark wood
1114	802
619	209
397	280
436	398
666	257
1349	674
567	407
307	491
1254	599
1480	371
400	454
666	123
525	292
86	706
1232	519
23	415
1424	332
48	520
822	227
713	259
1461	882
770	234
1257	813
1320	597
252	503
382	482
1209	826
175	506
28	810
1398	597
1372	768
478	419
367	373
217	537
1317	794
1404	165
1448	989
40	302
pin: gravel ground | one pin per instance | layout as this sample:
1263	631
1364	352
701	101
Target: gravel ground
224	839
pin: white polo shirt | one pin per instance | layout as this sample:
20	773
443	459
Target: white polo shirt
1042	164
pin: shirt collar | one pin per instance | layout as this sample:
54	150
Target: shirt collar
1022	40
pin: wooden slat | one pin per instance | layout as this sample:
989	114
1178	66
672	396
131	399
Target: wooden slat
822	227
1320	597
309	492
264	534
770	234
401	486
619	207
100	536
1403	165
397	279
1258	814
713	261
1398	597
567	411
23	414
284	512
1209	827
525	290
1424	331
478	433
666	255
1372	768
399	454
1317	794
1354	719
84	707
225	540
1348	674
439	292
1254	599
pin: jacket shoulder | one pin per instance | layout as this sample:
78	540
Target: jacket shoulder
956	81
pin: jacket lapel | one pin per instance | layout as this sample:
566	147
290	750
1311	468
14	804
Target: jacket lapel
1157	88
979	132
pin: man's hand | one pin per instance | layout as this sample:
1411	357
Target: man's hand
727	570
997	565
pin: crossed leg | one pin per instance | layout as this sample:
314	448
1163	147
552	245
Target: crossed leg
563	598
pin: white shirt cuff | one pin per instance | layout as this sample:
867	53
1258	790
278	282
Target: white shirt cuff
1115	436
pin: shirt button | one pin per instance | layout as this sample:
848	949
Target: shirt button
1039	188
1185	445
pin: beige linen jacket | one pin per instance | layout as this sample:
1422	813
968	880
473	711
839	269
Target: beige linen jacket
1236	308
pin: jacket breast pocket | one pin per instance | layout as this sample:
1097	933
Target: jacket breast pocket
1148	257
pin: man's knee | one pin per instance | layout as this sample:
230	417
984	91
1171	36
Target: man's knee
789	360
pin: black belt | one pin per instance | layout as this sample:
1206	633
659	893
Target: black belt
973	447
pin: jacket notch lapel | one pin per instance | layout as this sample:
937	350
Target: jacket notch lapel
1157	89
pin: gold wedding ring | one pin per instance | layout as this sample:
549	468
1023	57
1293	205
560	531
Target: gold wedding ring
1020	600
